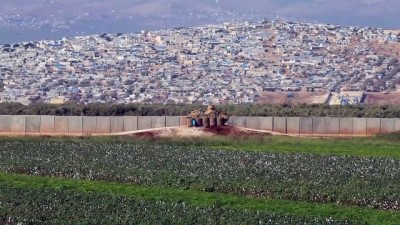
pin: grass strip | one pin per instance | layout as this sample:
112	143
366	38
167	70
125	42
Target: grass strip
196	198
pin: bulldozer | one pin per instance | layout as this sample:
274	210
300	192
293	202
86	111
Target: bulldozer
210	118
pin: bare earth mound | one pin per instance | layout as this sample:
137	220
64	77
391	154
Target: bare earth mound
200	132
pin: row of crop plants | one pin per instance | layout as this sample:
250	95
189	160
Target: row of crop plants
364	182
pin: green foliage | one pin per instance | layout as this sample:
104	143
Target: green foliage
121	180
38	200
384	145
106	109
361	181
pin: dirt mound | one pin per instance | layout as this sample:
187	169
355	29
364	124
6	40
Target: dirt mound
199	132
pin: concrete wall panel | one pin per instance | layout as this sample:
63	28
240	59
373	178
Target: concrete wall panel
75	124
333	125
279	125
144	122
253	122
183	121
89	125
5	124
230	121
130	123
47	125
172	121
61	125
373	126
360	126
397	125
18	124
306	126
387	125
346	126
266	123
32	124
238	121
326	125
103	124
117	124
158	121
293	125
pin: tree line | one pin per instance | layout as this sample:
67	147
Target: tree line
104	109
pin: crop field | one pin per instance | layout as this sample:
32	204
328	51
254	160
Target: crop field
267	180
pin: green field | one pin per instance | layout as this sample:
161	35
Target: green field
218	180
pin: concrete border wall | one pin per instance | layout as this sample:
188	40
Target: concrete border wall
117	124
388	125
333	125
130	123
18	124
183	121
103	124
172	121
5	124
75	125
293	125
373	126
397	125
360	126
280	125
253	122
266	123
230	122
144	122
89	125
326	126
158	121
32	124
47	125
345	126
61	125
306	126
78	125
238	121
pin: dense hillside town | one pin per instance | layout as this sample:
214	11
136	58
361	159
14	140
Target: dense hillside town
229	63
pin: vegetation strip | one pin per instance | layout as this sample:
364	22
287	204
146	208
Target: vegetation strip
344	180
106	109
206	199
358	147
58	206
381	146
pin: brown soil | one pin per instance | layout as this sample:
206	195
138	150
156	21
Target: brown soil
298	98
199	132
391	98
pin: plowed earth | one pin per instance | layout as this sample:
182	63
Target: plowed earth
200	132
